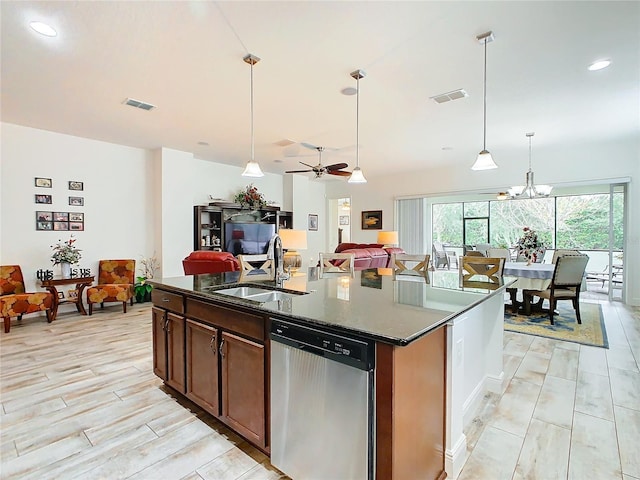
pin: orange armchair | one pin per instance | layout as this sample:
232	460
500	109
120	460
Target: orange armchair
115	284
15	302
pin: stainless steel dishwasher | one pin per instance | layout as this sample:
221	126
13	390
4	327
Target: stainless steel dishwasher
321	403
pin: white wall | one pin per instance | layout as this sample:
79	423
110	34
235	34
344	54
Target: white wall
137	202
560	165
309	198
117	209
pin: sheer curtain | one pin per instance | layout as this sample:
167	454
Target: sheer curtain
411	225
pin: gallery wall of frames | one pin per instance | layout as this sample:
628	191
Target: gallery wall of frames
49	218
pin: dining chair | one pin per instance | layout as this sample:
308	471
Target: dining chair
16	302
480	272
474	253
561	252
116	279
337	263
483	248
565	284
443	257
499	253
401	262
255	263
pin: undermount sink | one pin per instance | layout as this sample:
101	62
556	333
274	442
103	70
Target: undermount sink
257	294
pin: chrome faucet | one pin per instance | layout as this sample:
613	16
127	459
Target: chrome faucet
274	252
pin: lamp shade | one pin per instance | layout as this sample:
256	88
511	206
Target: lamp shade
484	161
293	239
388	238
252	170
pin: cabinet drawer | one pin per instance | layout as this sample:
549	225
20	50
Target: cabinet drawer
231	320
171	301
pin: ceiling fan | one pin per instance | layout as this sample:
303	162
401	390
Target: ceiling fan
319	169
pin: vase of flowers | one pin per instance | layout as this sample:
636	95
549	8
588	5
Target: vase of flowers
530	246
249	197
65	254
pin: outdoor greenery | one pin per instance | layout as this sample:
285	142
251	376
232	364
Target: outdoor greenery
576	221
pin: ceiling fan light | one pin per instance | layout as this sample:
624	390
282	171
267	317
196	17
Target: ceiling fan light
252	170
484	161
357	176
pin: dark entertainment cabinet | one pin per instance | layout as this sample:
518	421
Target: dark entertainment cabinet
229	227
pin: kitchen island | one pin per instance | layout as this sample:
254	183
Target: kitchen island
437	348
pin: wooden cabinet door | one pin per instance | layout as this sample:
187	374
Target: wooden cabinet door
243	387
202	366
175	352
159	342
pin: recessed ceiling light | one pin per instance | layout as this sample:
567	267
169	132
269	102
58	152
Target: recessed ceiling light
447	148
204	144
277	160
43	29
349	91
599	65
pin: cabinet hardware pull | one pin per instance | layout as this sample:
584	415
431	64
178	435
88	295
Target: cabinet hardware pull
211	344
221	347
166	300
165	327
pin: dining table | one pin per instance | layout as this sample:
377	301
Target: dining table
529	276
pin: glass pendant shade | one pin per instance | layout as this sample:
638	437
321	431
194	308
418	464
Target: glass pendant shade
484	161
357	176
252	170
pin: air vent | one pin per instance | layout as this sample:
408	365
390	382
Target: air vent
138	104
447	97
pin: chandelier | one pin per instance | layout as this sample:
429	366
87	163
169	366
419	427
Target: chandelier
530	190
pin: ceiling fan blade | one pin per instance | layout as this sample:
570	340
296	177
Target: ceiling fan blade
308	145
336	166
298	171
310	166
341	173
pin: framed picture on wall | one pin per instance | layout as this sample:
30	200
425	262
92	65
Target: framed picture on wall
61	225
43	182
76	226
44	225
313	221
43	198
372	220
75	185
76	201
344	219
44	216
76	217
60	216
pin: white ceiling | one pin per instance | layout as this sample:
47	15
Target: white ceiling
186	58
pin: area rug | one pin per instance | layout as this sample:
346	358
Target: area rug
590	332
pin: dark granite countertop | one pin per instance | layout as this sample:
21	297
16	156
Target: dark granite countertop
395	310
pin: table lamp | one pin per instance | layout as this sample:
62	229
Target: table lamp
292	241
388	239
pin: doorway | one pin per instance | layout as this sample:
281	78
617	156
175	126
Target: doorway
339	221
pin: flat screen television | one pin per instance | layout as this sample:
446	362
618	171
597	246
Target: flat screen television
248	238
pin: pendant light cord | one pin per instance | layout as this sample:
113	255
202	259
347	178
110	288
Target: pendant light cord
252	153
530	151
357	122
484	136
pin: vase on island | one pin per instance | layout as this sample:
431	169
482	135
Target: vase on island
65	269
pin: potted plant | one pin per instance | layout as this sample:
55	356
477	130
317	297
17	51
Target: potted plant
65	254
142	289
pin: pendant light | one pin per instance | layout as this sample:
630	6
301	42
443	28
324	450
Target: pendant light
484	160
357	176
253	168
530	190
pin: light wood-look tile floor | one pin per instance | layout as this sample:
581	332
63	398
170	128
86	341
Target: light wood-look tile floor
79	400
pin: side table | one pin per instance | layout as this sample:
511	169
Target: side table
80	282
